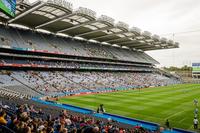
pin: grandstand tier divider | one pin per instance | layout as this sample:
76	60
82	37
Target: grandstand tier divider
46	58
55	68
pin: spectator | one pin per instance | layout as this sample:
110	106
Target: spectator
26	122
100	109
167	124
2	118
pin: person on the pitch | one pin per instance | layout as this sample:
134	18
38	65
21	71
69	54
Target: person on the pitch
196	122
167	124
196	111
100	109
195	102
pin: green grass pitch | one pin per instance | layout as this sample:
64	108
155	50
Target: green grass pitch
151	104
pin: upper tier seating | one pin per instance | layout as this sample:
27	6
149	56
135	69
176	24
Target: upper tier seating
29	39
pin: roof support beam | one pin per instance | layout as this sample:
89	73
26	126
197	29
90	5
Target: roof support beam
133	44
130	41
127	37
127	42
94	31
143	46
27	12
148	49
54	20
76	26
108	35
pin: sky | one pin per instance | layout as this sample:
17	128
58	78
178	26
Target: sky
162	17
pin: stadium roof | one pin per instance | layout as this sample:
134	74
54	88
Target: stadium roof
58	16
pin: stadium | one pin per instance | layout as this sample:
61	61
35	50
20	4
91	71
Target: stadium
66	70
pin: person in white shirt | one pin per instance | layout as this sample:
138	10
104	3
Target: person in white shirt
196	122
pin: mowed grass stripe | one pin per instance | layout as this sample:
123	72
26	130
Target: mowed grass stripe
99	102
152	104
122	95
111	102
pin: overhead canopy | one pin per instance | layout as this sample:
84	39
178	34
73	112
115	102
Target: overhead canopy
58	16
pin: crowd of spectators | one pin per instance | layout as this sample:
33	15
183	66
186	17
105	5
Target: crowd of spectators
69	82
26	116
98	51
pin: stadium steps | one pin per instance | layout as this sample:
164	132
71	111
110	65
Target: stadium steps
10	93
7	91
33	89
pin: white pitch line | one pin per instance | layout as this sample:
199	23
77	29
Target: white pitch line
175	114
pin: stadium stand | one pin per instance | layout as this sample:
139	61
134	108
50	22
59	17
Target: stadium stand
56	83
35	64
80	48
27	116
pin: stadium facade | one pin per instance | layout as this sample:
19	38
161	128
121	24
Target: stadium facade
49	49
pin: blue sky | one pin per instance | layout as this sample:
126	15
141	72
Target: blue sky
159	17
